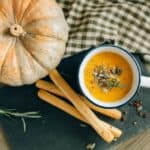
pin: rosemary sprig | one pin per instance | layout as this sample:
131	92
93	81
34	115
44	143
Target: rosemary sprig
24	124
13	113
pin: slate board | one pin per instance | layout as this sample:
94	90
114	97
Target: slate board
57	130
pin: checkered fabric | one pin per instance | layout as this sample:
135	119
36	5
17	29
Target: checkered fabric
91	22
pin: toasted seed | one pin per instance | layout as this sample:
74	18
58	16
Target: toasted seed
139	108
83	125
134	123
124	112
91	146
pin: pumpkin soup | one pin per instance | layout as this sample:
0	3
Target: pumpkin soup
108	76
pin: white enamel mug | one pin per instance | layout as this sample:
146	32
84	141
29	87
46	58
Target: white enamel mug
138	79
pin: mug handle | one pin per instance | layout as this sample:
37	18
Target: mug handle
145	81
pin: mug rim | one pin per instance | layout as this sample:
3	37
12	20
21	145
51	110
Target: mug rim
135	62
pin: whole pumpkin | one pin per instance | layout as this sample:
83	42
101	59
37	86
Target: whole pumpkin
33	35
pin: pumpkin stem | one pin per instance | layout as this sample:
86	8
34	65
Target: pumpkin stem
17	30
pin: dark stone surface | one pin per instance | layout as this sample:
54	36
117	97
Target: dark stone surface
57	130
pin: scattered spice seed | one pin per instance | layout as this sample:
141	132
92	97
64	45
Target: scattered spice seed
144	115
134	123
137	104
124	112
139	108
91	146
115	139
83	125
123	119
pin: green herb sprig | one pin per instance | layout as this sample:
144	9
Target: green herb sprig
11	113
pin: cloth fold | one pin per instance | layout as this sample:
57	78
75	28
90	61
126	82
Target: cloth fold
91	22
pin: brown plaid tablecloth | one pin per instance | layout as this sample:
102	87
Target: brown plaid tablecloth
91	22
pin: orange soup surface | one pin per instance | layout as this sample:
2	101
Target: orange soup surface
108	76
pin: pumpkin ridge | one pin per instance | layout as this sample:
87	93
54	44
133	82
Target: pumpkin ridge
27	53
42	8
14	43
34	21
14	16
50	36
4	20
28	8
4	16
4	12
21	79
39	61
25	12
23	44
53	37
11	42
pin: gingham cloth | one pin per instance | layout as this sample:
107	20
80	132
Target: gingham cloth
91	22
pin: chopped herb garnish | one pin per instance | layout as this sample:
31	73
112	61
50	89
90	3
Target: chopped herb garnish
107	77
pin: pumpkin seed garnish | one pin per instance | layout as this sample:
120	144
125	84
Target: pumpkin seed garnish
107	77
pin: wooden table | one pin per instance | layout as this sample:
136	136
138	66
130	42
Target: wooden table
139	142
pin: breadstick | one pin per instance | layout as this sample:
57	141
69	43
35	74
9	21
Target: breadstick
74	98
61	104
69	109
50	87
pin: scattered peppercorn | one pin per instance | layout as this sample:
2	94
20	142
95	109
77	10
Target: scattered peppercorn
136	104
144	115
123	118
